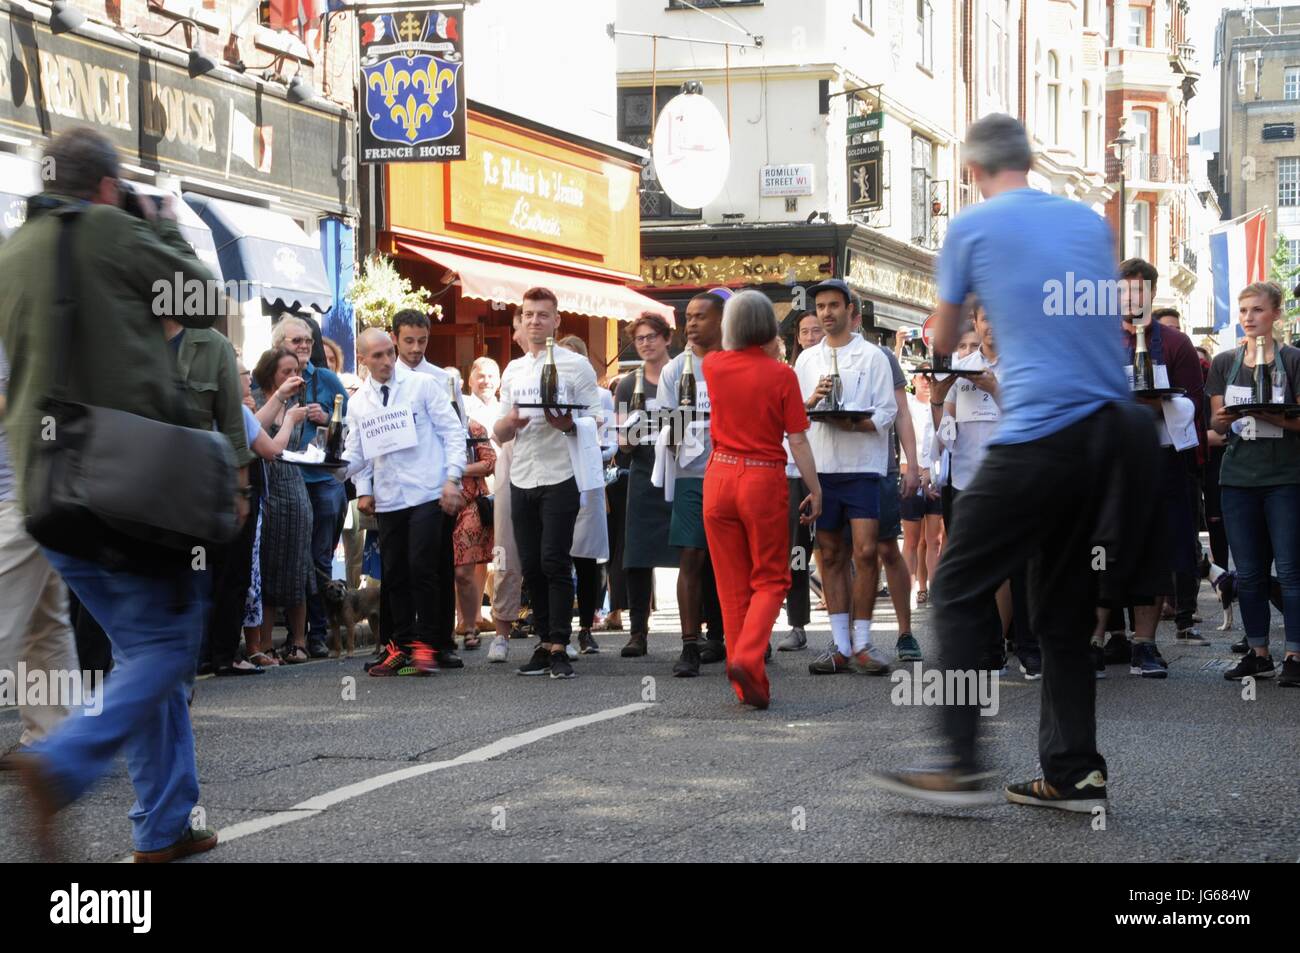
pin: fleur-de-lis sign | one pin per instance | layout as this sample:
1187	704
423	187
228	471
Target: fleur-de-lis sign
389	83
410	114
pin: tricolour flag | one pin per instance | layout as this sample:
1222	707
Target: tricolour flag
1237	258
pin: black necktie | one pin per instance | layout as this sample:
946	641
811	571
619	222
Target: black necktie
383	389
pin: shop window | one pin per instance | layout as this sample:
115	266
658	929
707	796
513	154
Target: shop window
634	127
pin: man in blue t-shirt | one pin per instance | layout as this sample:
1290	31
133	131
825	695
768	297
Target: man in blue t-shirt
1043	268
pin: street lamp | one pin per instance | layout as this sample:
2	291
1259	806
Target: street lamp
1121	146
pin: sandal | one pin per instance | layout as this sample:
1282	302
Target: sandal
238	669
294	654
263	660
471	638
607	626
922	597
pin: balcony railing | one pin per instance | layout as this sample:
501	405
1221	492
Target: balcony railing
1153	167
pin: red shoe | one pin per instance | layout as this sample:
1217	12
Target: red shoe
391	664
424	660
746	688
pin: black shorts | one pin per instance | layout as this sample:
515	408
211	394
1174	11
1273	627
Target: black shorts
918	506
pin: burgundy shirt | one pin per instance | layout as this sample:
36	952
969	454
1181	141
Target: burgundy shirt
1183	364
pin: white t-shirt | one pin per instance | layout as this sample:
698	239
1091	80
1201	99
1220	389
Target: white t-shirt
972	416
541	454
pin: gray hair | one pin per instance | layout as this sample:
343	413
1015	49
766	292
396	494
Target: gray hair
81	158
281	329
748	320
998	142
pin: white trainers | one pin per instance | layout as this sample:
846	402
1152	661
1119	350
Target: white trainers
499	649
571	650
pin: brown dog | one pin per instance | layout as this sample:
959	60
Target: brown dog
345	608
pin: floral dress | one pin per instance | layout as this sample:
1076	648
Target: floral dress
471	541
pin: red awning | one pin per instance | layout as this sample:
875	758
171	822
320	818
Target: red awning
494	281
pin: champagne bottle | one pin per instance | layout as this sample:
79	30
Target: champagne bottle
1143	372
1263	381
686	389
334	436
550	389
835	399
638	391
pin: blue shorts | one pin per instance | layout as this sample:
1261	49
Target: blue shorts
891	526
918	506
848	496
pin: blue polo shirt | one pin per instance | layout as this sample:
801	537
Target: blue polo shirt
1044	269
321	384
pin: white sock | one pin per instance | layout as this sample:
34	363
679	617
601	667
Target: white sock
861	635
840	632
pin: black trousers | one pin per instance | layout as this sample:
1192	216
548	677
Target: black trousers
544	517
640	593
616	576
712	609
589	576
1187	584
409	542
232	573
1022	632
1213	511
1012	513
798	601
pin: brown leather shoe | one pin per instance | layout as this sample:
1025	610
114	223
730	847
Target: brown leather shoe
636	646
193	841
42	796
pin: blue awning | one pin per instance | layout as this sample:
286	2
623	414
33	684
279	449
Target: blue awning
268	249
19	179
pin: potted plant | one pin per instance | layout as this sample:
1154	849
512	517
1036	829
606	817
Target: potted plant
379	292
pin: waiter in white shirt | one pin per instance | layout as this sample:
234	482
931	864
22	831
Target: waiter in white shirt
852	457
405	448
544	489
411	336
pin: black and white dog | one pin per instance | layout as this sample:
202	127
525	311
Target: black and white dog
1224	583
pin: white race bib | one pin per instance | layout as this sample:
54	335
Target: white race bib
975	404
1236	394
387	431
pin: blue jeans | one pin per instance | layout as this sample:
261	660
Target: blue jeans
329	504
1263	525
154	625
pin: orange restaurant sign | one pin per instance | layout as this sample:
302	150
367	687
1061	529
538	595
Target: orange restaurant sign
525	190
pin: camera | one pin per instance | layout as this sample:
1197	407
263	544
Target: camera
130	199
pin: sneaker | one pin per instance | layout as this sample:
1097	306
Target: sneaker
995	663
391	664
945	786
1031	664
499	650
796	641
1119	651
316	648
712	650
1099	660
570	650
1080	798
866	662
688	664
1146	661
907	648
423	659
561	667
539	664
636	646
450	658
1190	636
1255	666
1290	677
1241	647
195	840
586	643
832	663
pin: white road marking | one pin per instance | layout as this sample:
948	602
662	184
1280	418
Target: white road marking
322	802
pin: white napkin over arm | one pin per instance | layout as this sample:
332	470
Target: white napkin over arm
1179	423
584	455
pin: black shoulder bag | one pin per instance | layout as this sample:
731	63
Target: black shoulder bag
127	492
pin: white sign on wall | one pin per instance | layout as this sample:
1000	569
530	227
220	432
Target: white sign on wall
691	151
786	180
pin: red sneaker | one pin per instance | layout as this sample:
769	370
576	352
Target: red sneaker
424	660
391	664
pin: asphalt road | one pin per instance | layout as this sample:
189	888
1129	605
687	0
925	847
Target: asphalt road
638	766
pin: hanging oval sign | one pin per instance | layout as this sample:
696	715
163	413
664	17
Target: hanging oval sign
692	154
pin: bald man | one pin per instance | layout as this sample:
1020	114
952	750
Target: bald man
405	449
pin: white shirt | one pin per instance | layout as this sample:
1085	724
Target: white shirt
669	380
541	455
923	427
445	379
970	439
409	477
868	381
